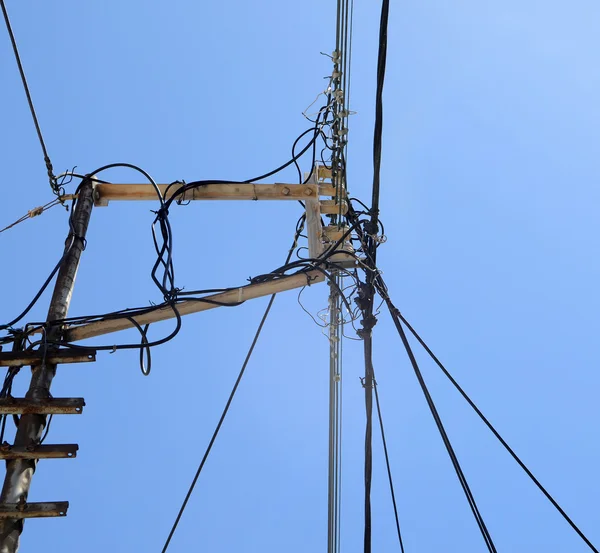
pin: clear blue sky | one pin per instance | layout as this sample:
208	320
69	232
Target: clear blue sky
490	200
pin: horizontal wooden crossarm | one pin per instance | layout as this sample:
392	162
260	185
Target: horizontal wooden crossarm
34	510
231	297
104	192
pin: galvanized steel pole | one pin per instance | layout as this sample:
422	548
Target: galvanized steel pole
20	472
335	415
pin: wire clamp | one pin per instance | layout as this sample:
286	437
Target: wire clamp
363	381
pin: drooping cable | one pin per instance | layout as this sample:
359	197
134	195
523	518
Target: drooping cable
49	168
387	463
496	434
438	421
71	241
163	241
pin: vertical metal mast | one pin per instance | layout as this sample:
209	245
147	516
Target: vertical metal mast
335	415
340	84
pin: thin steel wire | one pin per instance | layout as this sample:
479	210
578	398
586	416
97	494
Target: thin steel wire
50	170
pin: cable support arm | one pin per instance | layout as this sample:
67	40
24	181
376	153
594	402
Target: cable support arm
188	306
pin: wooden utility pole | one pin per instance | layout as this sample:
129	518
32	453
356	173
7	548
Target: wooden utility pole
23	456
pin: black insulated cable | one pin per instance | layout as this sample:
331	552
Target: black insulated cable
387	464
378	130
438	421
227	405
53	184
497	434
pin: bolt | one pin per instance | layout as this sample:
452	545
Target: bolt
308	192
22	503
285	191
5	446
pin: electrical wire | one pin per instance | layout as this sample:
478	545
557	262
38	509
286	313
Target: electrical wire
365	302
33	213
387	464
368	387
227	405
496	433
218	427
378	130
442	431
49	168
41	290
366	292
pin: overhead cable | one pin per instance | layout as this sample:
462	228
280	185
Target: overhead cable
34	212
218	427
387	464
367	292
496	433
53	183
378	129
226	408
438	421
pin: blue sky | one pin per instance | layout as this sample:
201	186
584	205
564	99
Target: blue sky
490	201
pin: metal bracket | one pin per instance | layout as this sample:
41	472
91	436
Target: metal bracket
21	358
50	406
34	510
67	451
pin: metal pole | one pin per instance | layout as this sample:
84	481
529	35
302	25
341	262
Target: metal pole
335	413
20	472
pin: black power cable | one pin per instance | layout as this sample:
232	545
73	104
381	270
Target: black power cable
368	386
378	131
218	427
438	421
227	405
374	280
496	434
53	184
387	463
368	290
71	240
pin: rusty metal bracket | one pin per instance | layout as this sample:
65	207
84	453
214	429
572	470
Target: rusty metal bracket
34	510
50	406
21	358
66	451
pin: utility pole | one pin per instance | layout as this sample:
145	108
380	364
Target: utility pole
20	466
